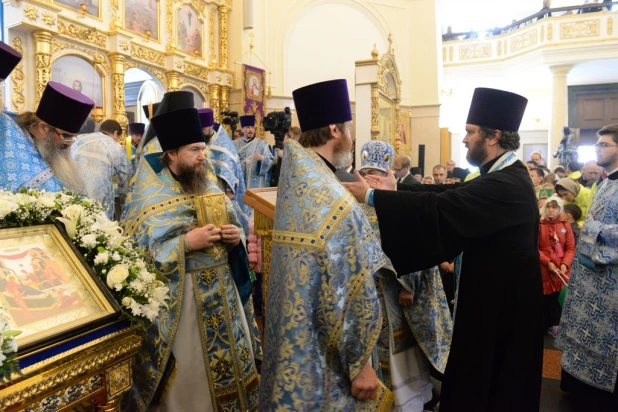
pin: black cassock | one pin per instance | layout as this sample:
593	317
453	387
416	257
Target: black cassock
496	356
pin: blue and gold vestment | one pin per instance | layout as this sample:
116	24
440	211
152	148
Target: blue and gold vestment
426	322
225	160
323	313
158	215
257	173
21	165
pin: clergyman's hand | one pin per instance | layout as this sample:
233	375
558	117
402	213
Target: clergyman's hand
230	235
405	298
203	237
388	182
365	385
358	188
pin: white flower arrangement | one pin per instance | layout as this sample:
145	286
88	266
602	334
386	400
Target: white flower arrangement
8	348
115	258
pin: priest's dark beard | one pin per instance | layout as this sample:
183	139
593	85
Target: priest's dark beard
476	155
192	180
62	164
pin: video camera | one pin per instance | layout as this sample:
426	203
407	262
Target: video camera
230	118
567	150
278	123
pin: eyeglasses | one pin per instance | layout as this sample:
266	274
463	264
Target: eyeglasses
603	145
66	136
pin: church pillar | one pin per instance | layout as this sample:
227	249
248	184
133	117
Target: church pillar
559	109
425	72
118	110
223	19
42	56
215	103
224	97
173	81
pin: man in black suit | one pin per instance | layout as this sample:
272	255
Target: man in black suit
401	168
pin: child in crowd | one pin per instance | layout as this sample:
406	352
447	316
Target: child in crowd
572	213
557	251
572	192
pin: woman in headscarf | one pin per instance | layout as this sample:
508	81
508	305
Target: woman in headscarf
573	193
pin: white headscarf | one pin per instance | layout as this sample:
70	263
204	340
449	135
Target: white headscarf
553	198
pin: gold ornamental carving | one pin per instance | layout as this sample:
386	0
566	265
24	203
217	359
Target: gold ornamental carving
169	21
212	51
49	19
443	54
550	32
71	395
475	51
179	64
524	40
214	101
202	87
97	58
610	25
118	379
42	58
450	53
31	12
223	19
499	48
542	34
18	77
149	55
580	29
225	92
83	33
375	113
173	81
25	392
118	70
124	45
196	71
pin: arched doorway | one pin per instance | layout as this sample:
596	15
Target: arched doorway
140	88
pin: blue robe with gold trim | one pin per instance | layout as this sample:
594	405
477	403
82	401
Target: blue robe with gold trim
225	160
323	313
257	173
158	215
21	165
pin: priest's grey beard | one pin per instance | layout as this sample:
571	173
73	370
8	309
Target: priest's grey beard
62	164
192	180
342	159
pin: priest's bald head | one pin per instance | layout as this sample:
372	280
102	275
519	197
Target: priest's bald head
493	123
325	119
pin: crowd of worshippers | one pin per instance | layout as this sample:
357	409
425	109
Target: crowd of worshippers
369	267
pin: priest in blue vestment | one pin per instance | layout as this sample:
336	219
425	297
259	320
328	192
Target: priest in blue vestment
201	354
323	312
34	147
588	333
256	155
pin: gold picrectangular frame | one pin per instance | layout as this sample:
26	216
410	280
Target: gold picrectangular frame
211	209
48	290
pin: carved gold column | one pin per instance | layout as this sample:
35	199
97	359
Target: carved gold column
375	112
215	102
118	110
42	56
224	96
18	77
173	81
223	15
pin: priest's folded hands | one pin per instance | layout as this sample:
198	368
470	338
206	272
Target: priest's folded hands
363	184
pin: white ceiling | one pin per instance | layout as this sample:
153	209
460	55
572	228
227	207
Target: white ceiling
479	15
